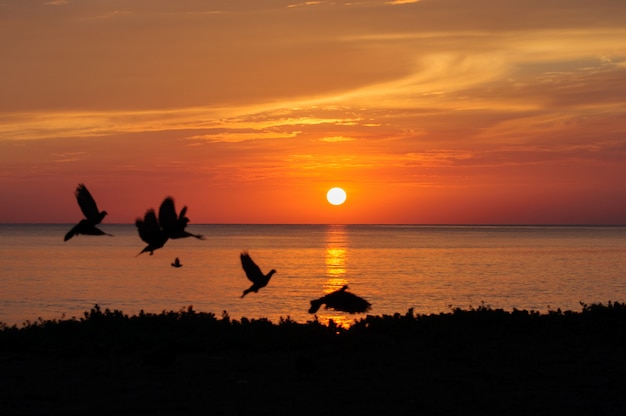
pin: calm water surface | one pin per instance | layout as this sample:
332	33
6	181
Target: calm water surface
427	268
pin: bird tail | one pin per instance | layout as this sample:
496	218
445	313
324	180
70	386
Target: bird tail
315	305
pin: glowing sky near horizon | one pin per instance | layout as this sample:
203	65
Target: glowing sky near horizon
430	111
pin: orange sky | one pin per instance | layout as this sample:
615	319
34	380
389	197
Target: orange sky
248	111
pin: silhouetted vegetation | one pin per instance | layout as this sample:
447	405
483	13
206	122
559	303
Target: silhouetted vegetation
476	360
113	329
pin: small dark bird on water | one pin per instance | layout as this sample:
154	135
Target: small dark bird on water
176	263
341	300
156	232
254	274
92	215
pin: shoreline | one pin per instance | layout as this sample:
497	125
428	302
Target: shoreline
480	360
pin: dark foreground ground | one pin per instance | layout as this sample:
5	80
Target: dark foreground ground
478	361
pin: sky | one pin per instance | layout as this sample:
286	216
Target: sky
248	111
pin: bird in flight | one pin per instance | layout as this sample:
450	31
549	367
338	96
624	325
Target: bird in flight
341	300
156	231
173	225
150	232
254	274
92	215
177	263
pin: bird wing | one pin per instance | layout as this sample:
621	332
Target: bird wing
181	221
253	272
71	233
148	228
167	215
181	216
86	203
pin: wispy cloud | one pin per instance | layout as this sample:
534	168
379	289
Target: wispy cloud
336	139
307	3
240	136
397	2
69	157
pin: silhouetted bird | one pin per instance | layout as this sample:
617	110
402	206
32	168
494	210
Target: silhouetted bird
341	300
156	232
254	274
150	232
176	263
92	215
173	225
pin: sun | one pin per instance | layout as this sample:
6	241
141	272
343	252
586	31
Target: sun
336	196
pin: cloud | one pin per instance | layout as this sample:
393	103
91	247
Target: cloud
397	2
336	139
240	136
307	3
114	13
69	157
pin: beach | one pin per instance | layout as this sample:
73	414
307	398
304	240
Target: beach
476	361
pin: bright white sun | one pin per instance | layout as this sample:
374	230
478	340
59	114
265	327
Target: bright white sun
336	196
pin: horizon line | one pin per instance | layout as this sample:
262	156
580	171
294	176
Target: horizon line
363	224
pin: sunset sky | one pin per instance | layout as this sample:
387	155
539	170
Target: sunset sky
248	111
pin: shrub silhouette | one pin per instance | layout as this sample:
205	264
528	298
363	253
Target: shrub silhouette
108	330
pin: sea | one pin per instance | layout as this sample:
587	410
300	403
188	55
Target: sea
397	268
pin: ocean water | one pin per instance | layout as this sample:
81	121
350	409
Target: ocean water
395	267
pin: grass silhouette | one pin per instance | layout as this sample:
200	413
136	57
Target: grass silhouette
475	361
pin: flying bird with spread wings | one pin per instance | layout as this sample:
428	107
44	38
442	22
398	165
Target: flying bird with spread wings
150	232
156	231
341	300
254	274
174	225
93	216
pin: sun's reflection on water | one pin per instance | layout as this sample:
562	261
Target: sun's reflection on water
335	269
336	261
340	319
336	255
337	242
